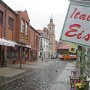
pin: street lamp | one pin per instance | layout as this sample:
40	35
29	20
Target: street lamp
41	53
41	47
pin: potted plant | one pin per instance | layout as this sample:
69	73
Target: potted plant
82	85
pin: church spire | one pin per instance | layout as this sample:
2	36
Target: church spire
51	20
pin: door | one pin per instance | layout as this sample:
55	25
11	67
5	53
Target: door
0	55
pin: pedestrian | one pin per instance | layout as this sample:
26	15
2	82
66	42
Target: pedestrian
42	59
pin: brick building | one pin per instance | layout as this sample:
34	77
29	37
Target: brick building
34	41
17	38
22	35
7	32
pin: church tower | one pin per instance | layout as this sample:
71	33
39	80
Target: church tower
51	34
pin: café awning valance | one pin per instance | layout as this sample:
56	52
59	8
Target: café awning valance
7	42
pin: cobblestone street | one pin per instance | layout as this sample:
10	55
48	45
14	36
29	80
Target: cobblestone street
34	78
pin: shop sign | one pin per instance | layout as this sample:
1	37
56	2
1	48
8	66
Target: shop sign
77	25
73	48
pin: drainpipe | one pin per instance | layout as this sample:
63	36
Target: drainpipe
4	36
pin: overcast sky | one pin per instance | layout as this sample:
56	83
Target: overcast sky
39	12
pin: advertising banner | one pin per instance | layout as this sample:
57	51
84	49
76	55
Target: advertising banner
77	25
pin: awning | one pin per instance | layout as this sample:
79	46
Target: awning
28	46
7	42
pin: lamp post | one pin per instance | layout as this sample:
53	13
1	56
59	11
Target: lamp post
41	49
42	53
21	52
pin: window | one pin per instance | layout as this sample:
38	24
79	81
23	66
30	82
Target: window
51	29
26	32
10	23
40	40
1	17
22	25
41	34
44	45
36	41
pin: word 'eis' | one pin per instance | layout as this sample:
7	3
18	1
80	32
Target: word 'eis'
73	32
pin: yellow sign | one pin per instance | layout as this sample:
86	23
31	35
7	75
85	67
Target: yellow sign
73	48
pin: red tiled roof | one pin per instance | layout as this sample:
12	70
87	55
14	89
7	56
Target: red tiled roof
63	46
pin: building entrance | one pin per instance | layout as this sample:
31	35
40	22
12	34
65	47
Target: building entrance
0	55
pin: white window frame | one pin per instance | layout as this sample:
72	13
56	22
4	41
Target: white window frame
26	31
22	25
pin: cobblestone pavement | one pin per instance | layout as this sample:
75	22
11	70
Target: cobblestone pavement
33	79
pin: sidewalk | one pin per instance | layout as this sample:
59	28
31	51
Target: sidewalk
12	72
13	69
63	81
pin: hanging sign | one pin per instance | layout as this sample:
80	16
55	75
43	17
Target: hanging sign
77	25
73	48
